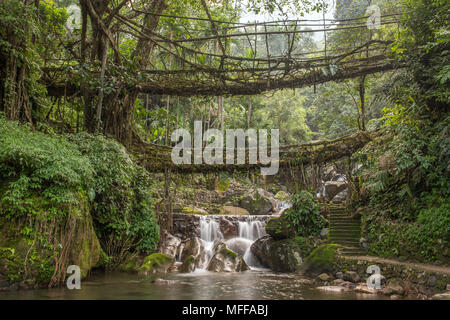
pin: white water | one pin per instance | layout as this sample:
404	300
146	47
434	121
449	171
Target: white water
249	230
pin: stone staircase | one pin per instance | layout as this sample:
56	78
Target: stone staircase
344	231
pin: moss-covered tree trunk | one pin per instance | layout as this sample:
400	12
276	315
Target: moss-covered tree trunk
16	41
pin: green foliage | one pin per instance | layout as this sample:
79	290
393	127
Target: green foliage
304	215
123	210
49	175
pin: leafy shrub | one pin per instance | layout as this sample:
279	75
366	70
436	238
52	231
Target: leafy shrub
42	174
304	215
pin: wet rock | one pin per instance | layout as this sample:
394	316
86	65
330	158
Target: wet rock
228	229
258	202
393	287
193	255
362	288
279	255
339	275
230	210
156	263
351	276
170	245
395	297
332	288
225	260
441	296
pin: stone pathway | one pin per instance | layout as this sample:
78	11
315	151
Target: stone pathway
419	266
344	230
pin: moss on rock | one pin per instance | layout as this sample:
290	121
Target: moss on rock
280	228
156	262
321	259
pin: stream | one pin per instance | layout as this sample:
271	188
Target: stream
254	284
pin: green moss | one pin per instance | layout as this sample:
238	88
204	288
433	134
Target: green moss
190	260
321	259
154	261
193	210
223	185
231	254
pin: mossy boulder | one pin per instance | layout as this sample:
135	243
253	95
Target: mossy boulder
258	202
230	210
282	195
194	210
29	248
321	259
156	263
226	260
280	228
281	255
188	265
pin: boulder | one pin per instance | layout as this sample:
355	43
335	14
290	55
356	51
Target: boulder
225	260
279	255
258	202
332	188
332	288
393	286
170	245
194	210
193	255
156	263
351	276
320	260
228	229
230	210
282	195
280	229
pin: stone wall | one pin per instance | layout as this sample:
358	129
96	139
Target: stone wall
415	281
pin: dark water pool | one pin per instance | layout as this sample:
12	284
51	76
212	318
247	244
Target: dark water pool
249	285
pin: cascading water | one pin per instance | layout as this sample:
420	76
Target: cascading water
209	232
249	229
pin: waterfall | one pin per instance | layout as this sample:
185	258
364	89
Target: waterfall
209	231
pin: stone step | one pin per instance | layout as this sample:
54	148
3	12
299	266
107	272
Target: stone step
349	243
344	237
355	234
343	222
